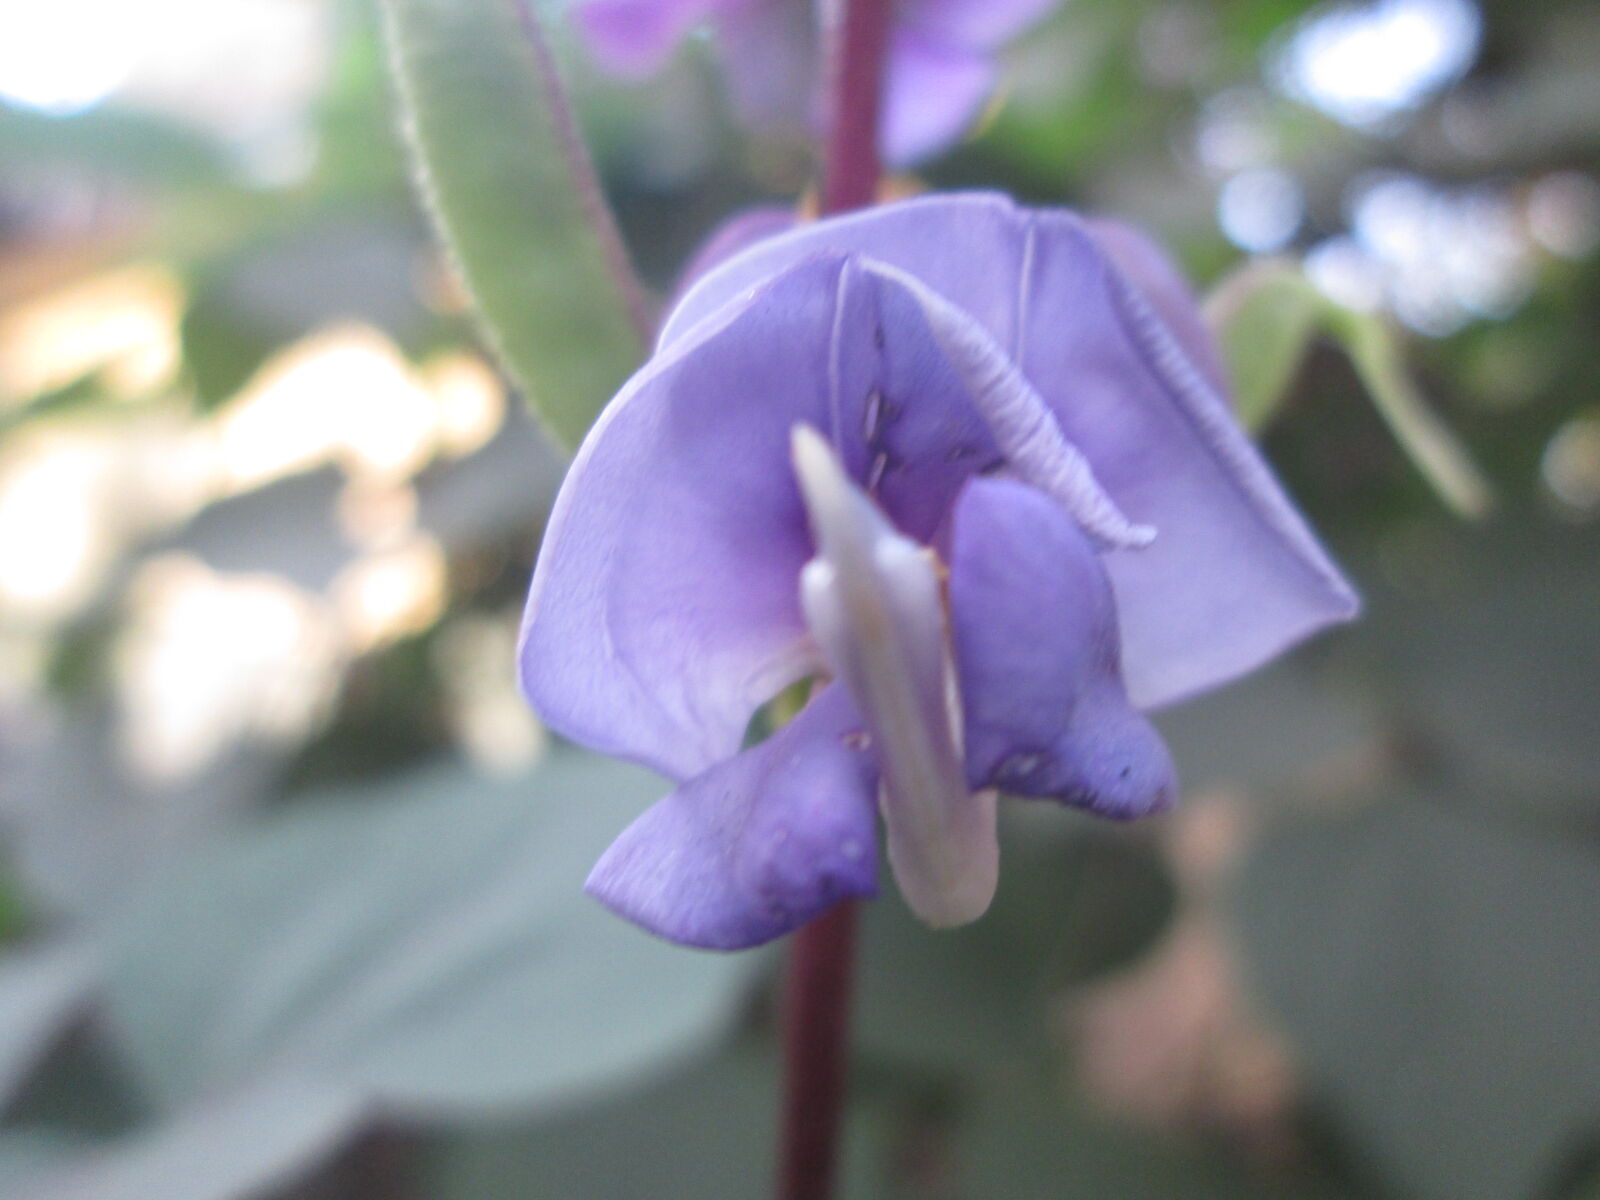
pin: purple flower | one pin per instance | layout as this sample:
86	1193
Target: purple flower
941	65
967	466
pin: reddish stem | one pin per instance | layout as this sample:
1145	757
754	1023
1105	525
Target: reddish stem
855	38
816	1042
816	1051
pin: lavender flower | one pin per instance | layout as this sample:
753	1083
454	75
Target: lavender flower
940	71
967	466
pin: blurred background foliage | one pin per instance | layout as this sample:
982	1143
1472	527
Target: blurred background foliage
289	876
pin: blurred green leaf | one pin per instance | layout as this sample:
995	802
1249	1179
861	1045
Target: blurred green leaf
234	1145
1033	1144
28	1152
509	184
702	1132
949	1000
81	1091
112	141
360	156
15	911
220	352
426	943
1491	649
979	997
1587	1185
1376	353
1437	976
706	1131
42	987
1268	730
84	392
1264	316
285	282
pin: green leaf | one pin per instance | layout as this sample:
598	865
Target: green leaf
1264	316
42	987
1438	978
112	140
1072	903
1269	730
283	283
1490	651
1032	1144
84	392
427	943
708	1130
511	189
28	1152
246	1142
1375	352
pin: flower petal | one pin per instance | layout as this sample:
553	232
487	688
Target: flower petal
1148	270
935	89
981	24
759	844
633	38
963	245
1037	649
1234	576
738	233
768	50
665	607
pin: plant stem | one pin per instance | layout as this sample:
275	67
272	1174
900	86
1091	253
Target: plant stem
855	38
816	1052
816	1042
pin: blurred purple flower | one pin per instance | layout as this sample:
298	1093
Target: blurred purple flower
941	65
969	462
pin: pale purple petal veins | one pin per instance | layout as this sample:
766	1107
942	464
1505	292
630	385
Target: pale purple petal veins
634	38
872	600
1037	648
935	90
981	24
757	845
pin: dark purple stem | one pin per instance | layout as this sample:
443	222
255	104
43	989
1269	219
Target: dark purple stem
855	37
816	1052
583	173
816	1040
